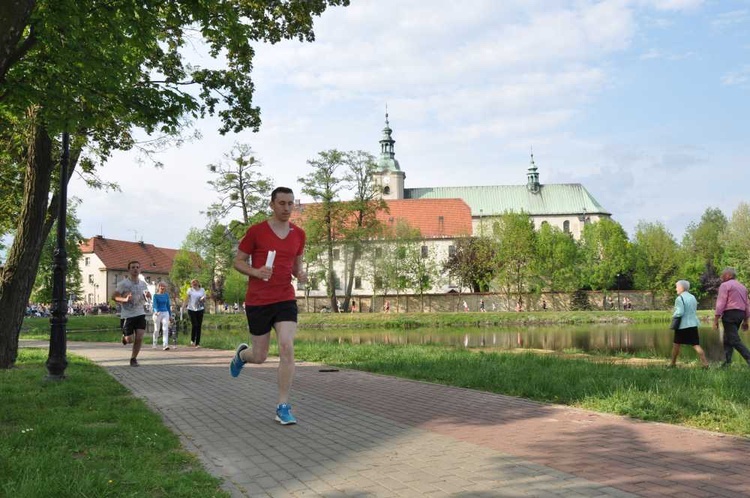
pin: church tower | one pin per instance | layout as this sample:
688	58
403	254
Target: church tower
389	179
532	178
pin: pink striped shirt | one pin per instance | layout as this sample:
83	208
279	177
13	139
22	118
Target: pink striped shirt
732	296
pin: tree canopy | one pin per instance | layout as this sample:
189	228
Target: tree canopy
103	70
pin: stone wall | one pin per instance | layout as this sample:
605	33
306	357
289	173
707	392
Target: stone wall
498	302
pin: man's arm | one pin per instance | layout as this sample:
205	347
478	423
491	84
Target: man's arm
119	297
721	303
241	265
298	269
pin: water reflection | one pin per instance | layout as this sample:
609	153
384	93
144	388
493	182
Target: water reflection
600	338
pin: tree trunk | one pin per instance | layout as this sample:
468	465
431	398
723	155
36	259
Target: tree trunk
23	258
350	276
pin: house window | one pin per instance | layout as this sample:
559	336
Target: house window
336	282
87	261
451	250
357	282
566	226
425	251
91	278
336	254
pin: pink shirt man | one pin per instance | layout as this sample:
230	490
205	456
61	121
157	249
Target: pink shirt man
732	296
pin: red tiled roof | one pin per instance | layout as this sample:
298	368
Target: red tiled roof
435	218
115	254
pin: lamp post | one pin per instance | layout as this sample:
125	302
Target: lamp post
618	292
56	361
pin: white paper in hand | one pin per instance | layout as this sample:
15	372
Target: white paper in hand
269	260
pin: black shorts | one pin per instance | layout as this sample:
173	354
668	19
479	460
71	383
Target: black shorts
134	323
687	336
260	319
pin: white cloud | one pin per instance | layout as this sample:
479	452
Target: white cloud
731	18
673	5
739	77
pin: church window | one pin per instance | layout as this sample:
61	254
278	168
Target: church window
425	251
566	226
386	190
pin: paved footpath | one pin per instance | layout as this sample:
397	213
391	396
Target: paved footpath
370	435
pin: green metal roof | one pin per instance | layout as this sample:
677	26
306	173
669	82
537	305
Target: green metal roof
563	198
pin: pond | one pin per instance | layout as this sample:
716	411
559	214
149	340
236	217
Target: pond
591	338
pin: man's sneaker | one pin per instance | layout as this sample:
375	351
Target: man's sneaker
284	414
166	348
235	367
133	362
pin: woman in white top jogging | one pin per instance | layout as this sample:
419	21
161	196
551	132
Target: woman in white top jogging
196	297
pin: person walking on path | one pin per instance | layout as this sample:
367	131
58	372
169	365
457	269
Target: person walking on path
195	304
685	307
732	307
161	315
270	298
131	293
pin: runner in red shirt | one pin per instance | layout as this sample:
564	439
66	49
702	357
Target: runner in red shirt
270	299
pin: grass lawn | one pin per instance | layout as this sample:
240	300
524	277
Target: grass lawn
713	399
87	436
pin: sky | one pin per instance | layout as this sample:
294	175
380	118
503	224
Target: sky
644	102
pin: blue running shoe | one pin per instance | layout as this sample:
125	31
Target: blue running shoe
235	367
284	414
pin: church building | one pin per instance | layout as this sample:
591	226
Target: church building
444	215
568	206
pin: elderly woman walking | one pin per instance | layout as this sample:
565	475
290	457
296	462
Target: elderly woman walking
685	307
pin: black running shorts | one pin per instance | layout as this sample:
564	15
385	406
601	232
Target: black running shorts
134	323
260	319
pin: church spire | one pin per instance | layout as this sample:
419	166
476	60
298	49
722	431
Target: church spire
532	177
387	152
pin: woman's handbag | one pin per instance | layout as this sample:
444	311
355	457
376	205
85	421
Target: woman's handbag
675	325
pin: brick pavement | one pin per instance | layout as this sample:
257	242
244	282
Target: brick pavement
369	435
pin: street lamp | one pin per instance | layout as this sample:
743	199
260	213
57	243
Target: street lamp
56	361
618	292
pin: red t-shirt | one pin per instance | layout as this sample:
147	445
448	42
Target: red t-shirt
260	239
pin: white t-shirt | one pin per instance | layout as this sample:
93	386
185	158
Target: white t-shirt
194	299
137	305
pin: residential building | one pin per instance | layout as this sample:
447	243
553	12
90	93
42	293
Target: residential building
104	262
